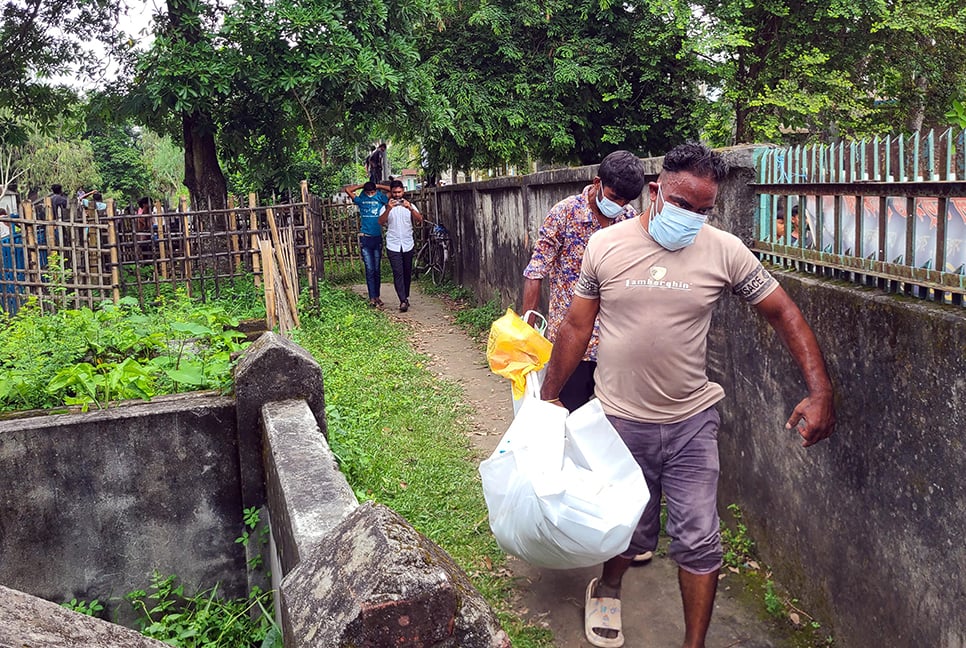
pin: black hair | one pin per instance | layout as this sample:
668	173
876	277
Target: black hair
395	183
144	200
369	186
97	196
697	159
56	189
623	172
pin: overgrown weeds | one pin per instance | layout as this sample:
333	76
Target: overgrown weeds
206	619
91	357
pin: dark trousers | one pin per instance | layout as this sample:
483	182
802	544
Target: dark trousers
580	387
402	272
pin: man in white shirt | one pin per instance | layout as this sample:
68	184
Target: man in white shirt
398	217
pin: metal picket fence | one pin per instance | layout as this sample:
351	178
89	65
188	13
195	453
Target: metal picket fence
887	211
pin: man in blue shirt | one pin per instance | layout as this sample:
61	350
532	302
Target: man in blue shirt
371	203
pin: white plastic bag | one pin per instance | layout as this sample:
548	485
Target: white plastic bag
562	492
534	382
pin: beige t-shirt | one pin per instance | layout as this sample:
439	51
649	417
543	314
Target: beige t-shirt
655	312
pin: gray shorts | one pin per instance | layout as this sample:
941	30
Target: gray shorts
680	461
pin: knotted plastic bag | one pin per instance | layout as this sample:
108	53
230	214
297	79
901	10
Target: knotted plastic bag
514	349
562	491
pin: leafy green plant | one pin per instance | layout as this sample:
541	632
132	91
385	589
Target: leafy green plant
252	530
91	357
773	603
90	608
957	113
738	546
207	619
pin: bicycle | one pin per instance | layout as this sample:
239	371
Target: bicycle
434	255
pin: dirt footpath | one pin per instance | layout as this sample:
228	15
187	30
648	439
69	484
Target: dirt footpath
652	614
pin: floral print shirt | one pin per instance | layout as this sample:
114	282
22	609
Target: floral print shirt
558	253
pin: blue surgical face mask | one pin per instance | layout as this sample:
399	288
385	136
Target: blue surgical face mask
607	207
674	227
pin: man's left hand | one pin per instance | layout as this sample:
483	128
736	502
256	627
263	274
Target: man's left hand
813	418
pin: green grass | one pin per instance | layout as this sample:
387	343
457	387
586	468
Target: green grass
399	433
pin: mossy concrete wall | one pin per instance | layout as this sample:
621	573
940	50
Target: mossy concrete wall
91	504
866	528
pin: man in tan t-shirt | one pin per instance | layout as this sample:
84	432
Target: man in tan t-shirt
653	282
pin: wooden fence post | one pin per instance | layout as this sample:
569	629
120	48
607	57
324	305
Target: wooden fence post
112	244
160	222
309	239
233	226
256	248
183	211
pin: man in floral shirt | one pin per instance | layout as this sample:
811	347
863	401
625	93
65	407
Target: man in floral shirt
560	248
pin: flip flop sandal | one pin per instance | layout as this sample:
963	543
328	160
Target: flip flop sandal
602	613
642	558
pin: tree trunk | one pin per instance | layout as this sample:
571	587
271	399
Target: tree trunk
917	114
202	173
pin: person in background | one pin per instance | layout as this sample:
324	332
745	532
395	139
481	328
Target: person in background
96	201
398	217
37	203
651	284
145	228
58	202
377	163
370	202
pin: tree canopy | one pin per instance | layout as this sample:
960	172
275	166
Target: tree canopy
262	93
42	39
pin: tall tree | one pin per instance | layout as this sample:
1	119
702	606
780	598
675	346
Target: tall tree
256	80
178	86
120	161
918	61
820	68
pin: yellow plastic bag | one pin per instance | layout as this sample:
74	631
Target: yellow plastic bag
514	349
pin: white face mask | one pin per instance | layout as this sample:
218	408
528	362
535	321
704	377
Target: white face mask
674	227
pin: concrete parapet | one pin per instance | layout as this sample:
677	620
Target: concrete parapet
273	369
31	621
307	494
375	581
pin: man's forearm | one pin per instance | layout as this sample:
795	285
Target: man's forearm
531	294
801	343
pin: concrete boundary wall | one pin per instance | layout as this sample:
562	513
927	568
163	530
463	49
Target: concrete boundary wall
91	504
866	528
